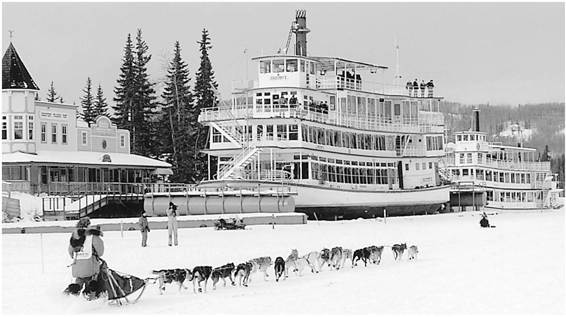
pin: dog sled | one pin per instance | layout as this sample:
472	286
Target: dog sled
115	285
222	224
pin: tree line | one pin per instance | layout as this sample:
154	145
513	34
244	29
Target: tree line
165	128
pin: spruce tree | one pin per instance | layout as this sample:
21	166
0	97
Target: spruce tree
123	110
175	122
205	96
100	105
52	96
87	104
144	102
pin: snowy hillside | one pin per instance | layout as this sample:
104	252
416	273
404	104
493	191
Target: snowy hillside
517	267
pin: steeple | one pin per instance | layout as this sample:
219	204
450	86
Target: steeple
14	72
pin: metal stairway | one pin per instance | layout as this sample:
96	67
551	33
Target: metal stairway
235	135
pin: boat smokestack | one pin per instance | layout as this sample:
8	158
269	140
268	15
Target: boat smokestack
476	126
301	31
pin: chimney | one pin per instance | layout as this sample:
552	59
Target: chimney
301	31
476	126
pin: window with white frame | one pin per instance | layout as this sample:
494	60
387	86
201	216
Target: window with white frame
64	133
18	127
43	132
122	140
54	133
84	137
4	128
30	127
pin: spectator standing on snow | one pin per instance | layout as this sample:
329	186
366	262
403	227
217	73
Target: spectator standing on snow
85	248
484	223
144	228
172	222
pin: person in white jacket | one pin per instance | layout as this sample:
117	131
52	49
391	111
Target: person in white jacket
172	223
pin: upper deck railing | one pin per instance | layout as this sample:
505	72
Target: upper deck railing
427	122
507	165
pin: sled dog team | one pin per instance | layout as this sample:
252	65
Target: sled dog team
334	258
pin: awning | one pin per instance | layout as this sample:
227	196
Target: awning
162	171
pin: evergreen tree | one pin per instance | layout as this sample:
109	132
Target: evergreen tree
135	97
100	105
175	121
205	94
123	110
144	102
52	96
87	104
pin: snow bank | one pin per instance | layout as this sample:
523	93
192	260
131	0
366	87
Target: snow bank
517	268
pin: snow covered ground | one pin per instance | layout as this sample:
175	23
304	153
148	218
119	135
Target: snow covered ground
517	267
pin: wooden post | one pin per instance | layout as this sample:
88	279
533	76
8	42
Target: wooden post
42	262
384	215
121	229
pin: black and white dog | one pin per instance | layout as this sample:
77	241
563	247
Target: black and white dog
361	254
243	271
200	274
279	268
223	272
171	275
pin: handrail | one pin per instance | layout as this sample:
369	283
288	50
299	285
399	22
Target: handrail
431	121
223	172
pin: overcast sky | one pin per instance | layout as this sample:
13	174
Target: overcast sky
476	52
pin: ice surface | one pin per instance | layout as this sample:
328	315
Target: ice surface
517	267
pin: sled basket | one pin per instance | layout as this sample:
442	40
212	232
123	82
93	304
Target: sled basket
120	285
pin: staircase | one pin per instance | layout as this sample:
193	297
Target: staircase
234	134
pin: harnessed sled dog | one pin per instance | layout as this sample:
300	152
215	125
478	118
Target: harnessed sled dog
279	268
223	272
200	274
398	250
243	271
412	252
171	275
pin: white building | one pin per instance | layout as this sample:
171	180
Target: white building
46	149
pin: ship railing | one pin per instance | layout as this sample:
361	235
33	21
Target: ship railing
318	113
535	166
340	82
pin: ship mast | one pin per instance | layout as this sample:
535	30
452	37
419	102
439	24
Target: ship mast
397	81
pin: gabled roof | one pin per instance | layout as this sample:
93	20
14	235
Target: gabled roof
14	72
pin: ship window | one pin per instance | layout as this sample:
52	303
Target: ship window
259	133
465	172
302	62
397	109
269	134
459	137
265	67
281	132
312	68
429	165
293	132
465	137
462	158
292	65
469	158
472	137
424	166
417	166
278	65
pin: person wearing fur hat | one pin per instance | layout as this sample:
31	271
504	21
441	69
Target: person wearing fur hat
85	247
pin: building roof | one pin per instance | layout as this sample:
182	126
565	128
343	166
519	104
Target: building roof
84	158
14	72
